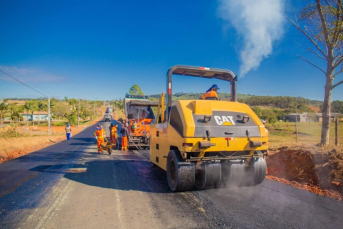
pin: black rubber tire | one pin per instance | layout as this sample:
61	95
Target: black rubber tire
258	169
208	175
180	175
109	150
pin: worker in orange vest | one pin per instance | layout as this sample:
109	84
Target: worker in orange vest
100	134
124	135
134	126
114	135
212	92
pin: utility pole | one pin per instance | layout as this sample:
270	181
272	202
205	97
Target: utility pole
78	115
49	124
296	119
336	131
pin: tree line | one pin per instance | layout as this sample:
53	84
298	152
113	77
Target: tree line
282	102
66	109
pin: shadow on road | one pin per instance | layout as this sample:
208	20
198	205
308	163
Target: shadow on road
125	174
83	144
60	168
91	140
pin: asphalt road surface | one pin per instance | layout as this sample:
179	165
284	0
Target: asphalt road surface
70	185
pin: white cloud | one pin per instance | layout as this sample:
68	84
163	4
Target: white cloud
29	75
259	23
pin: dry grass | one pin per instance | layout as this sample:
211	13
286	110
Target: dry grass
11	148
308	133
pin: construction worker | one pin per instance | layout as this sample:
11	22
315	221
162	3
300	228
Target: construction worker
134	126
68	132
211	93
100	134
114	135
110	129
124	135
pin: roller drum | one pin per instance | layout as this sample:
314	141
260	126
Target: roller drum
208	175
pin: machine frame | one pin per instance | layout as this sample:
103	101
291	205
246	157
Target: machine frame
138	139
177	147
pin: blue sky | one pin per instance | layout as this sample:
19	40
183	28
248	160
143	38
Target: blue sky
99	49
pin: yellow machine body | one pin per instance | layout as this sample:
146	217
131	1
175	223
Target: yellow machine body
208	130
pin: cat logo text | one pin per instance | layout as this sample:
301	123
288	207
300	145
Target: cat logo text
224	120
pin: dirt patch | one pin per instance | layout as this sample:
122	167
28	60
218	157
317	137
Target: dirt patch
11	148
317	169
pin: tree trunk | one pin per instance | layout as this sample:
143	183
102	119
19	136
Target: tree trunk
1	121
326	118
27	118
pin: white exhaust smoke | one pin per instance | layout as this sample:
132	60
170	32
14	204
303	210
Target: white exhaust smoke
259	23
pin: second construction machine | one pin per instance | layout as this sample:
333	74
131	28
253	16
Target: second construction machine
206	143
139	115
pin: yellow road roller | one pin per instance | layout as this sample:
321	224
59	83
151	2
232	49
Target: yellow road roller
207	143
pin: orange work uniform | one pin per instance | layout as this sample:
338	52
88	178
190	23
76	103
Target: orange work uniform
100	135
124	143
114	135
124	134
209	94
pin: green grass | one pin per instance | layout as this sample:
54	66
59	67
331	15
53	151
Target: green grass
64	123
86	122
284	132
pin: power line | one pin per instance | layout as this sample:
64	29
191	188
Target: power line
22	82
49	121
37	85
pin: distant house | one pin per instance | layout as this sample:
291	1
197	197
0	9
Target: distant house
333	116
299	117
42	116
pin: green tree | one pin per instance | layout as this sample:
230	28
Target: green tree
41	106
31	106
15	111
27	108
73	103
257	111
72	119
337	106
3	110
136	90
61	109
53	102
321	22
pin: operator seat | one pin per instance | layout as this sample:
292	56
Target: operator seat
211	98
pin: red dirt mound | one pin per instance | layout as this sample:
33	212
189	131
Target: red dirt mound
313	169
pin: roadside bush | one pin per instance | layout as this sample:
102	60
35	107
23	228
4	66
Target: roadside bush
72	119
272	119
10	133
59	123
